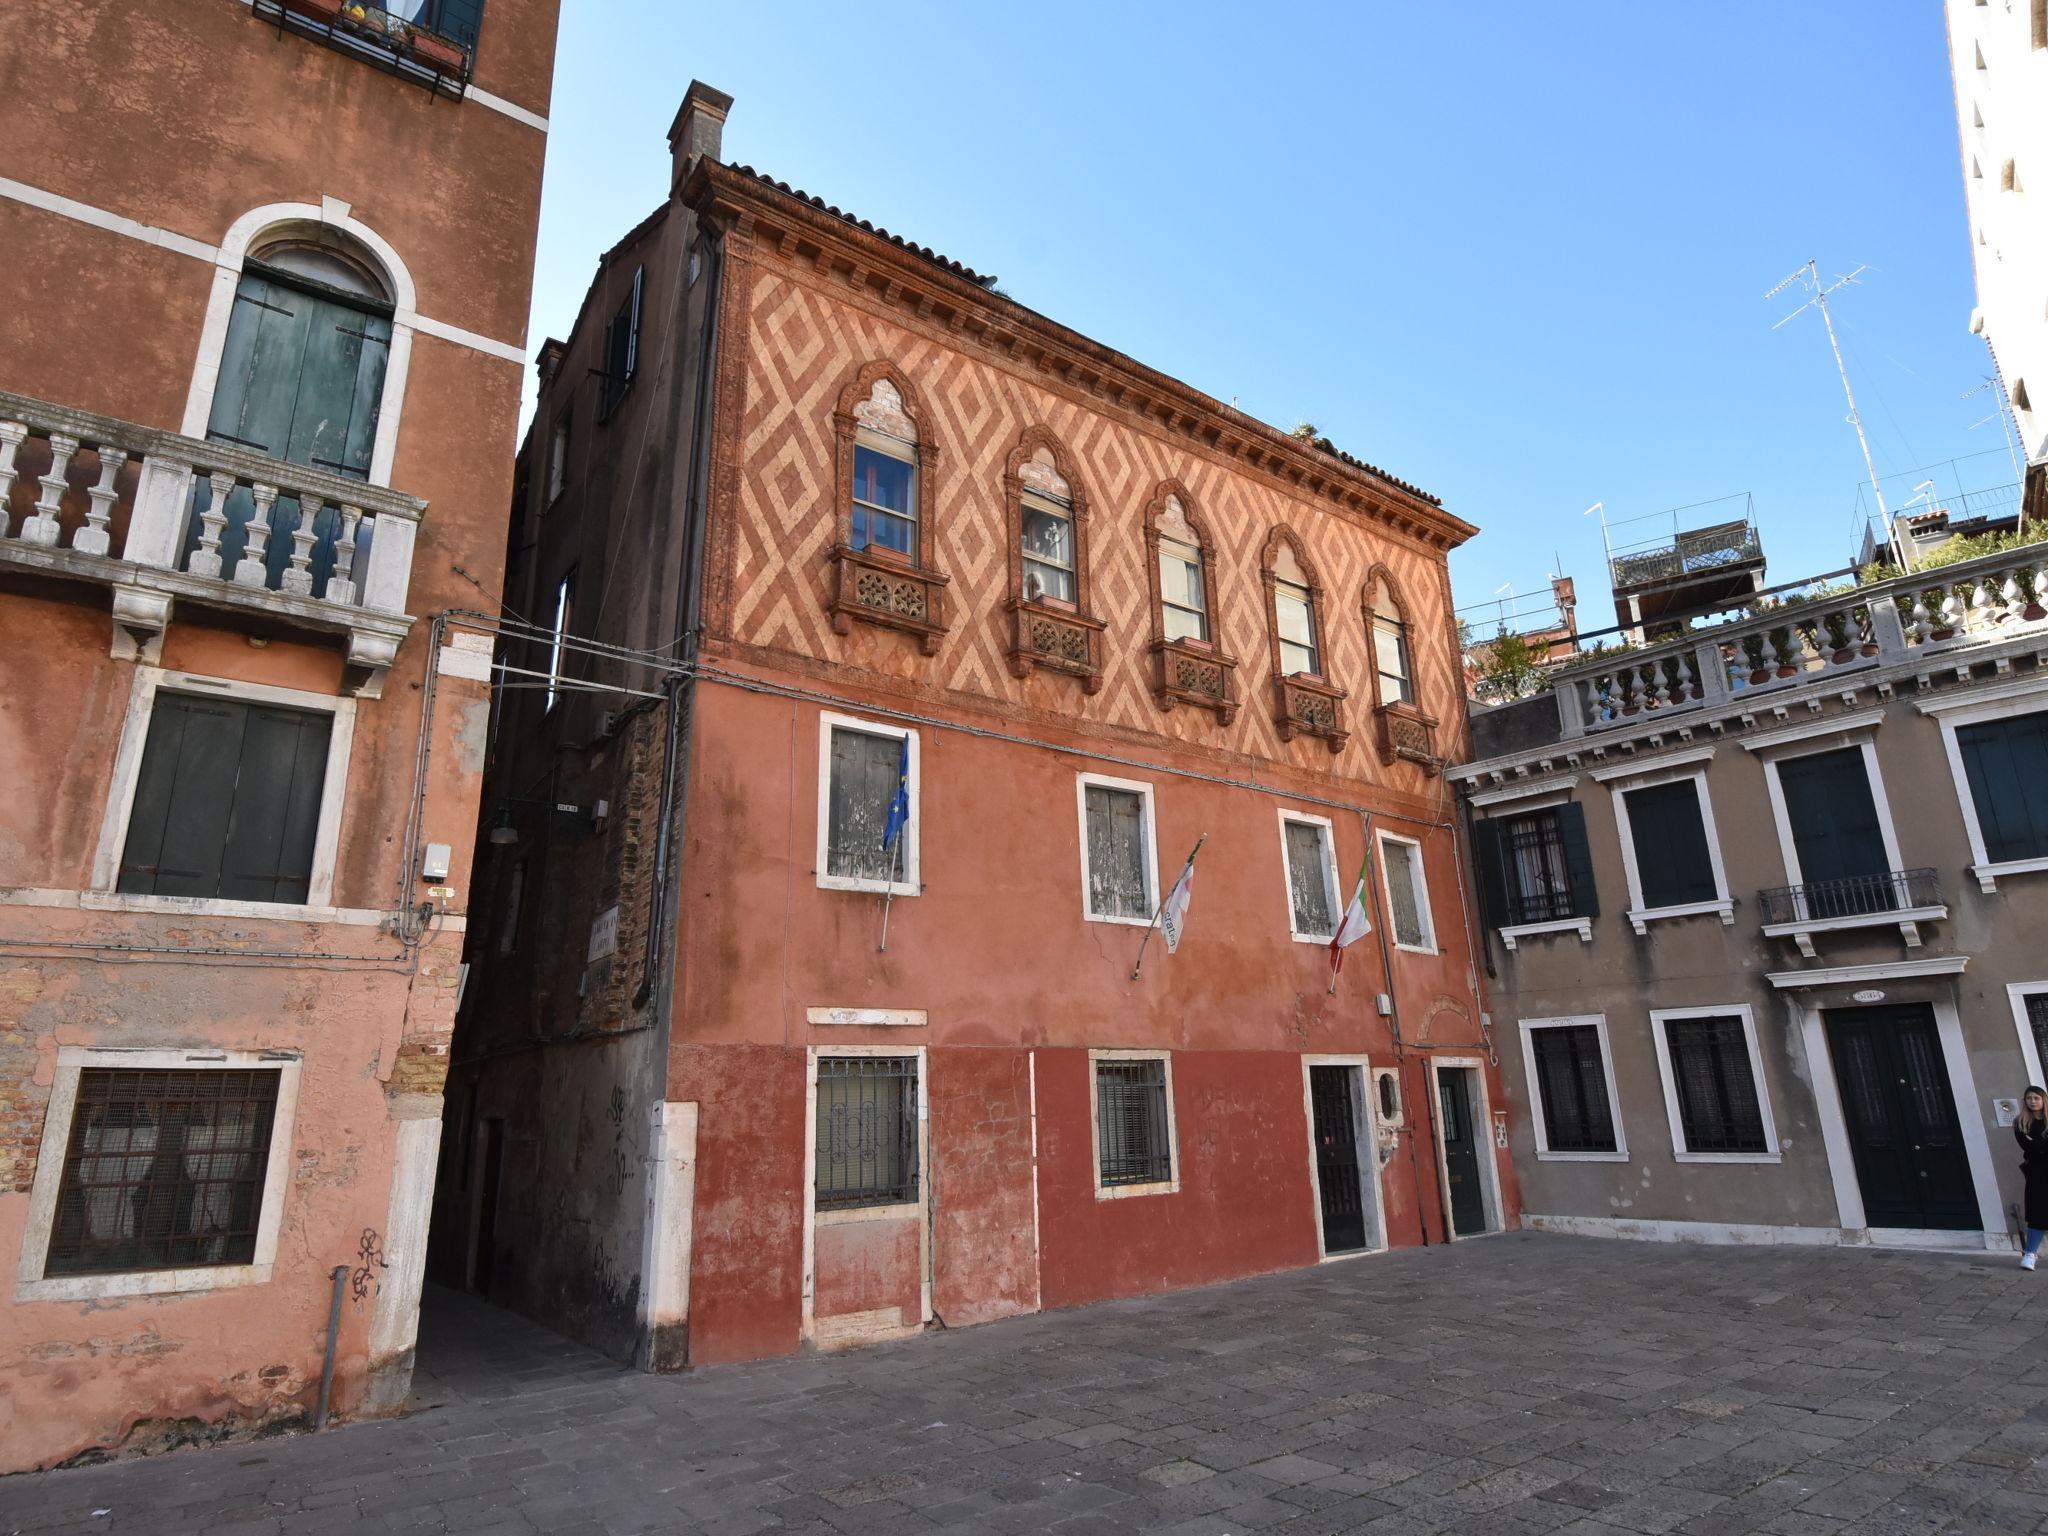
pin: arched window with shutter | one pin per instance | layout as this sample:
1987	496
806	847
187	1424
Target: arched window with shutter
1047	512
1305	701
1181	564
1403	729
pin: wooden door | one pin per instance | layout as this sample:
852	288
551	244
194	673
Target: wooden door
1461	1153
1904	1135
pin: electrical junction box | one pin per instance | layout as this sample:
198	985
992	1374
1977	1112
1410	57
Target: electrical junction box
434	862
1386	1005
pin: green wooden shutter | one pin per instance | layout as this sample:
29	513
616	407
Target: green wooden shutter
1834	819
1578	859
459	20
1487	865
1673	863
227	803
2006	762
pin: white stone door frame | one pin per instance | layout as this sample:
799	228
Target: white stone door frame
1481	1108
1366	1141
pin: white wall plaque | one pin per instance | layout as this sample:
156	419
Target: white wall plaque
604	934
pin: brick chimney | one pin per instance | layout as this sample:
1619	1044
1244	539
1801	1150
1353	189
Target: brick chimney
699	127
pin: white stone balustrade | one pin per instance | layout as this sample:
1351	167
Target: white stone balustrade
155	537
1811	641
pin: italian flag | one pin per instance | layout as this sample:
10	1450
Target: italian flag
1355	924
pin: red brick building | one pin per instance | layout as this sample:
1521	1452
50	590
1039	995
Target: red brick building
807	514
261	331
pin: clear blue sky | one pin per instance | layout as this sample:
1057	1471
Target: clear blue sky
1514	255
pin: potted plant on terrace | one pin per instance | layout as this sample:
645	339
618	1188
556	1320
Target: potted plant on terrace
437	52
327	11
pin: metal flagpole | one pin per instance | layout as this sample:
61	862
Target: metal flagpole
895	862
1364	874
1162	905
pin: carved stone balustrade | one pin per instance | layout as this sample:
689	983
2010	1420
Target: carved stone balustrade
160	519
1056	638
1308	706
876	589
1910	621
1190	673
1406	734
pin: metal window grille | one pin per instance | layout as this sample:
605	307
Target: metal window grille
1539	880
1117	886
1132	1142
164	1170
1308	880
1718	1109
2037	1020
865	768
867	1131
1573	1080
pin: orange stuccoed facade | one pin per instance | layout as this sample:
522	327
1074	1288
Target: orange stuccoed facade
807	515
244	748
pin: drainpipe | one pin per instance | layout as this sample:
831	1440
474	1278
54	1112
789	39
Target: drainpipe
338	1275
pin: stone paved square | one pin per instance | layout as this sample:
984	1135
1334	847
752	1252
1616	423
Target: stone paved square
1521	1383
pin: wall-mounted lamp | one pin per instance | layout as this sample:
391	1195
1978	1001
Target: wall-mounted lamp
591	819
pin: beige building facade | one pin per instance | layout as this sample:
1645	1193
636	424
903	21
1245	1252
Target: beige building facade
1763	912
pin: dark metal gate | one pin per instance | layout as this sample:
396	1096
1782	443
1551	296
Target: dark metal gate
1904	1134
1330	1092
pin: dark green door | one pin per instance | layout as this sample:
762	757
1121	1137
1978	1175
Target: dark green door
1835	832
1903	1132
301	379
1461	1153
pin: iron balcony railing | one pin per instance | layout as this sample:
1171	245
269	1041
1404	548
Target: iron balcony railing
1819	901
1688	554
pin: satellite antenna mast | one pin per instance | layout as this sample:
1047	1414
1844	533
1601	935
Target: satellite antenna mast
1808	277
2004	420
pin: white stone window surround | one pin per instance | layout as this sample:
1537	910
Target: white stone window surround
1659	1017
1329	873
106	864
1523	799
329	214
1667	770
1826	736
42	1208
1168	1186
2002	702
1153	894
2017	994
1536	1112
1420	875
911	871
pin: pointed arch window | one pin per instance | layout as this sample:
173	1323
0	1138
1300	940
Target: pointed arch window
1048	528
1306	702
1193	668
1404	731
884	567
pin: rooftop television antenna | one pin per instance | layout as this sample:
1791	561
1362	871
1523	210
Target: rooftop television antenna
2004	420
1808	278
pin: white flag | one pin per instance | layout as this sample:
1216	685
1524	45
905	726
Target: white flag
1355	925
1174	915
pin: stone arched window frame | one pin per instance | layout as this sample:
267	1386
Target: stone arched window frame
1195	672
1402	729
1046	631
1306	703
874	585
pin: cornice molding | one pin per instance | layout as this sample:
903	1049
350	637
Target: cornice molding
786	226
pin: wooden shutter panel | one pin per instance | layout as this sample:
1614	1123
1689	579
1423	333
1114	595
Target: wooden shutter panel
2006	762
1578	859
460	21
268	854
1491	872
633	328
1673	864
183	798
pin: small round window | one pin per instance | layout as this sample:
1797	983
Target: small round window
1390	1097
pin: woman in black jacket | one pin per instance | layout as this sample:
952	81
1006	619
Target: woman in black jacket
2031	1132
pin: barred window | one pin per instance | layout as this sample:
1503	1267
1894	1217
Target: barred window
1571	1078
163	1170
867	1131
1133	1137
1539	878
2037	1022
1309	878
1718	1108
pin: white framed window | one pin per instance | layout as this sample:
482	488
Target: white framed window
2030	1017
1183	597
1308	859
227	798
1835	832
1119	851
565	598
1396	681
558	460
1046	535
1714	1091
1670	846
1409	920
865	843
1130	1104
884	493
1997	752
1572	1102
111	1214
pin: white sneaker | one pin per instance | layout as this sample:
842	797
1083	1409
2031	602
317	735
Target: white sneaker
2026	1261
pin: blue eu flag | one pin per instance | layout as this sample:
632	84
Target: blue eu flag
899	808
